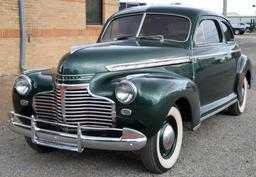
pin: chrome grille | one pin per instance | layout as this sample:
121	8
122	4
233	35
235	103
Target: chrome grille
75	104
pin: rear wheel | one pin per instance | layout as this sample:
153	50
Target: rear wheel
38	148
163	149
239	107
237	32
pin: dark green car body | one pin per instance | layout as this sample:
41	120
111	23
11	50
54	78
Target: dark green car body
201	79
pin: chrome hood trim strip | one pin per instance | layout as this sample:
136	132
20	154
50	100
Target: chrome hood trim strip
148	63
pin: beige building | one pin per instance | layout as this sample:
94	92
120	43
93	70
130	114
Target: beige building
52	26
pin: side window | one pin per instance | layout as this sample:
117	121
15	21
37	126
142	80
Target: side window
227	32
207	33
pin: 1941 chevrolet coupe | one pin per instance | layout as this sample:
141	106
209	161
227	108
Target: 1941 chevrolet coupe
152	69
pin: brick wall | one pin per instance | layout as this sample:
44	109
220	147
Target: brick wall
52	26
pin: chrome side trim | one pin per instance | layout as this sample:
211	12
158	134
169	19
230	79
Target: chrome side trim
215	54
129	140
218	110
148	63
208	55
234	51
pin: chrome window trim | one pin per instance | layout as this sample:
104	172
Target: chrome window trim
142	22
148	63
212	44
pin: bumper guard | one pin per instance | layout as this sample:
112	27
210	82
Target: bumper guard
131	140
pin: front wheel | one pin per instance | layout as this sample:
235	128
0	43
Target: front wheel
163	149
238	108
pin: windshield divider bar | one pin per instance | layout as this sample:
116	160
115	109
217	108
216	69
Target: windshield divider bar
141	24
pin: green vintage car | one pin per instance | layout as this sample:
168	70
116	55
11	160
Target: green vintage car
152	69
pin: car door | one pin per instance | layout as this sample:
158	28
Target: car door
211	62
233	55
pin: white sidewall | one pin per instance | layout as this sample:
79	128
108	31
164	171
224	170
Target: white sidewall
168	163
243	105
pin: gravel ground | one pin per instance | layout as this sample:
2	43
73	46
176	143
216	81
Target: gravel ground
224	146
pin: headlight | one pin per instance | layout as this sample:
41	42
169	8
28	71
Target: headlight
126	92
23	85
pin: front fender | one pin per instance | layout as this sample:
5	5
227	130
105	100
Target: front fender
41	81
157	93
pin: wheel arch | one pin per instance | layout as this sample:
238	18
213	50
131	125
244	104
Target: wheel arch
243	70
189	112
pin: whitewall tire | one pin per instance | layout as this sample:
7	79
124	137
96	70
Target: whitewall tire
163	149
239	107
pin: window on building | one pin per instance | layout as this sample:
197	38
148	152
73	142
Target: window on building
227	32
94	12
207	33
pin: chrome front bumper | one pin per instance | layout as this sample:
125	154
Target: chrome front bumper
130	140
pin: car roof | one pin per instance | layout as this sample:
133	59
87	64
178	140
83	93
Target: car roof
192	13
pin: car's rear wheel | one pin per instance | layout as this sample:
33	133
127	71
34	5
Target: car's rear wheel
237	32
38	148
163	149
239	107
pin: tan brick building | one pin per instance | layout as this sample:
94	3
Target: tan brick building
52	26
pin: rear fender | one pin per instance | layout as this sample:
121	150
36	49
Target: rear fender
243	67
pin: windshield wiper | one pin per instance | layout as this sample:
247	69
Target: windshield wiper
153	37
122	37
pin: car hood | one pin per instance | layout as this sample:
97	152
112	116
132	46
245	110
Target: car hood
92	59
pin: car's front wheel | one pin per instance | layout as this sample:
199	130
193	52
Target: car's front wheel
163	149
238	108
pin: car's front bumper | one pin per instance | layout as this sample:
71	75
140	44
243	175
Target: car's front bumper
130	139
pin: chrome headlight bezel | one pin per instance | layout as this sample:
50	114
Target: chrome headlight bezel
129	92
23	81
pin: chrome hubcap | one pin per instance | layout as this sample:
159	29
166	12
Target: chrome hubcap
168	137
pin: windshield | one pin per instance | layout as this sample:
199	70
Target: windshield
155	26
124	26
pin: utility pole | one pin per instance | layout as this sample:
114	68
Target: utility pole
225	6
